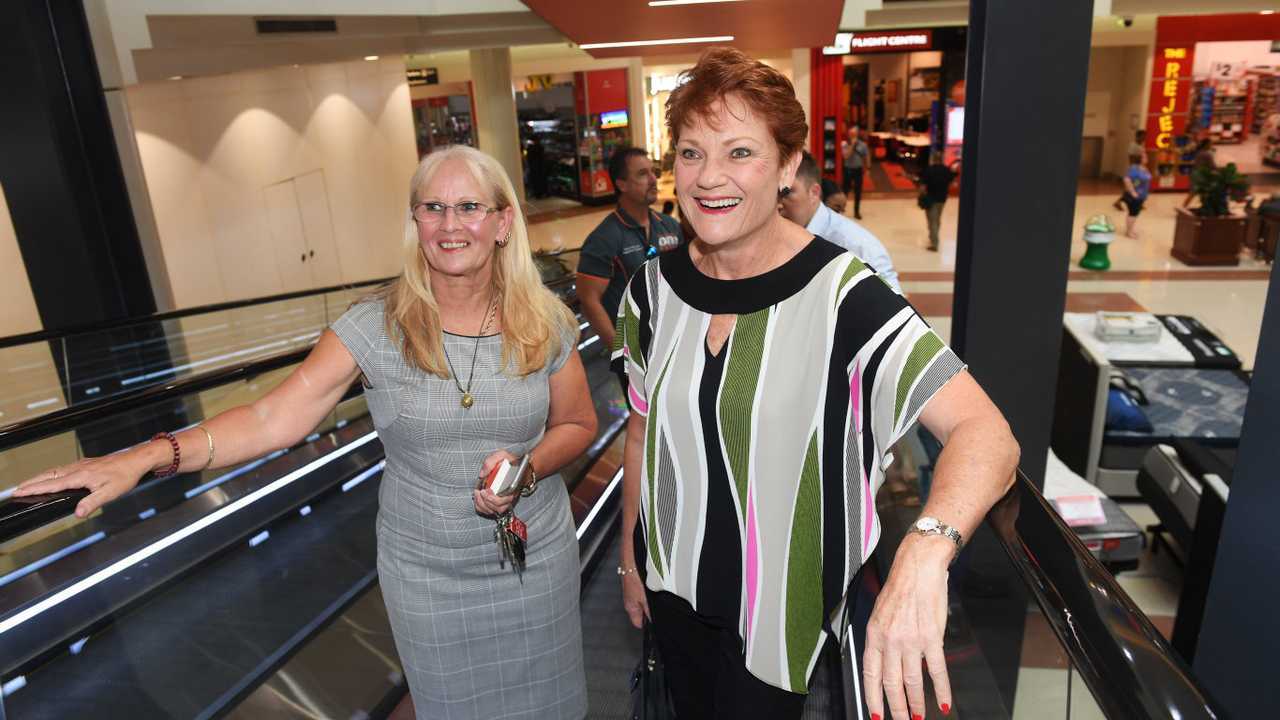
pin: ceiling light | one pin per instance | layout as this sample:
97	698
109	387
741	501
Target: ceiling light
1267	12
175	77
370	57
671	41
662	3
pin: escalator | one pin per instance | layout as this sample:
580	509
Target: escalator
251	592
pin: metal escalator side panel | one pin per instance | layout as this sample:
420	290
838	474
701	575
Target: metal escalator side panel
44	609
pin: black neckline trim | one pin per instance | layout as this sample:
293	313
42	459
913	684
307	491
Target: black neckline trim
472	337
746	295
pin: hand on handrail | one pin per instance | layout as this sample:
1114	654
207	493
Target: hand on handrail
106	478
906	631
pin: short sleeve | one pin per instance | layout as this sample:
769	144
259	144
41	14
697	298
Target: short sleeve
632	337
361	329
568	337
896	362
597	254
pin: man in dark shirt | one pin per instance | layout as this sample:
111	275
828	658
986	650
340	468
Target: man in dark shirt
935	183
622	242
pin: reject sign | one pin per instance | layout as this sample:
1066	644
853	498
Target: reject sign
1077	510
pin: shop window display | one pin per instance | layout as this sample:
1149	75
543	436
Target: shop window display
442	121
548	132
1215	79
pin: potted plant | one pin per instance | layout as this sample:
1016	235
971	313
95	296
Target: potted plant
1211	234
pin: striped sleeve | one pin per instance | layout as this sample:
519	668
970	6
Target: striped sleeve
894	358
632	336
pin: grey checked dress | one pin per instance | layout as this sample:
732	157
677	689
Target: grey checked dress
474	640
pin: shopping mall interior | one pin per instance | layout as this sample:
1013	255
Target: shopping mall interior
192	192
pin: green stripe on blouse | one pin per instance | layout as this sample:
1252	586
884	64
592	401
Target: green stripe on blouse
804	570
650	441
855	266
926	349
737	398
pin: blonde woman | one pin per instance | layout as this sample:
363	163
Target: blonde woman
468	360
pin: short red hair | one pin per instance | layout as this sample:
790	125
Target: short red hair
724	70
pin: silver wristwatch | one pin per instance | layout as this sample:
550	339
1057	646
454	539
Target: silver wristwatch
933	526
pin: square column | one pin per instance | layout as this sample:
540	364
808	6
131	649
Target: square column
495	122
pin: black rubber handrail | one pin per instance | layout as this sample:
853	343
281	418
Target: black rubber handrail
1131	670
55	334
72	417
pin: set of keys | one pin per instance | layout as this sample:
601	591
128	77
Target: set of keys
511	534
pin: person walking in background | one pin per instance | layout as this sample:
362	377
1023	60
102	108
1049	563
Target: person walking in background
857	160
935	185
1137	146
1137	185
803	206
476	639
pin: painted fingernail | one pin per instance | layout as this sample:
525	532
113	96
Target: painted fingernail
917	716
875	716
946	709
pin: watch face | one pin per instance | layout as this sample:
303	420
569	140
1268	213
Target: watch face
927	524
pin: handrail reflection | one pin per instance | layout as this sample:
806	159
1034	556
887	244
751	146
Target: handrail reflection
95	327
1127	664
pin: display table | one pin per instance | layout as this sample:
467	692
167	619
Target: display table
1191	379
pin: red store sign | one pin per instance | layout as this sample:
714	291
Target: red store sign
887	41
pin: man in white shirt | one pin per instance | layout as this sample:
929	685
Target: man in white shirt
803	205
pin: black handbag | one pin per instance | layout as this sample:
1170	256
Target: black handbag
649	697
923	200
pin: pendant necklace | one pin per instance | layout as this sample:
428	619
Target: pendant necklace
467	399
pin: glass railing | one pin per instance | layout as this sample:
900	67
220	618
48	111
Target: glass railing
46	373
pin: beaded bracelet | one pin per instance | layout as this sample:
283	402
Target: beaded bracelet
177	454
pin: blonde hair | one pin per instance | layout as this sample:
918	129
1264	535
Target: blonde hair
534	320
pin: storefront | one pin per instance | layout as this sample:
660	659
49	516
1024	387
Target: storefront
570	124
903	88
548	135
604	122
442	112
1214	78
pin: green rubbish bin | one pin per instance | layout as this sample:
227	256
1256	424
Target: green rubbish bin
1098	234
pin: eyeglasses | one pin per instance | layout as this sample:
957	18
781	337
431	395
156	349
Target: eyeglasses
434	212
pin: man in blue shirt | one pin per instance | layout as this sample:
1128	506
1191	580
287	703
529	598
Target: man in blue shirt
1137	185
622	241
803	206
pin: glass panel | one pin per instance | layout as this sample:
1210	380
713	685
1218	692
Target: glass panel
44	377
24	461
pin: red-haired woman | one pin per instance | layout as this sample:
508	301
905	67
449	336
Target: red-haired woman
770	374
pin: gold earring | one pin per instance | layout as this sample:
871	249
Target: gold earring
503	242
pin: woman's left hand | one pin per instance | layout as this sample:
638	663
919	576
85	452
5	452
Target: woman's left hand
906	627
488	503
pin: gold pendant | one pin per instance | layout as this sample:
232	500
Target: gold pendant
467	400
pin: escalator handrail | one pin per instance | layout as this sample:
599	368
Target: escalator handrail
69	418
1131	670
59	333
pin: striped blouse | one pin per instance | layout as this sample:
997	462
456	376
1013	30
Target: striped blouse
761	462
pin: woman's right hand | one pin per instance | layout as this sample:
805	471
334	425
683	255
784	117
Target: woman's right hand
106	478
633	598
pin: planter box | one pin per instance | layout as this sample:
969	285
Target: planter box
1208	241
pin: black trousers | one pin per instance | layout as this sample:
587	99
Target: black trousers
705	670
853	180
